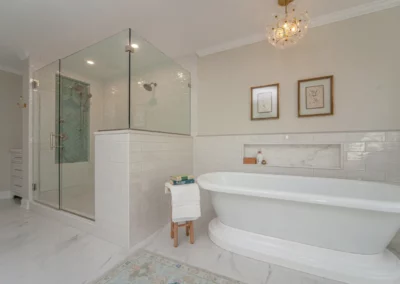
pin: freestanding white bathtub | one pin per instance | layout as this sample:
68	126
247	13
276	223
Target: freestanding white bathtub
338	229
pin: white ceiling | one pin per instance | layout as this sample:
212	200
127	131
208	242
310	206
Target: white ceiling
52	29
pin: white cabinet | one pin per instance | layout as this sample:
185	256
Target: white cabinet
16	172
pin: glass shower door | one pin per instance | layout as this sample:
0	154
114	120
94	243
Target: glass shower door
94	95
46	146
73	98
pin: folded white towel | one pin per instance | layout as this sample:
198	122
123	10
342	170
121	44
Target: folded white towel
185	202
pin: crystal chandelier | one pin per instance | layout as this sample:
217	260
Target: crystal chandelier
288	28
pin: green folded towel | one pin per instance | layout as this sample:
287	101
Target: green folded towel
182	177
182	182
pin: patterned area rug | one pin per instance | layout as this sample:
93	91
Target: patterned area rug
148	268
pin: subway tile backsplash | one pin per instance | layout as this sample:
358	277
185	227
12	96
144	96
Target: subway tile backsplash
371	156
393	137
365	136
355	147
382	146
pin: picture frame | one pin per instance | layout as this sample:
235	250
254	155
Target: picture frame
315	97
264	102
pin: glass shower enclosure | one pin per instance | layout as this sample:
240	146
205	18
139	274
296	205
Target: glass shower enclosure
122	82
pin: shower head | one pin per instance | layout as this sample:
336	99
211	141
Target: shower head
88	97
149	87
78	88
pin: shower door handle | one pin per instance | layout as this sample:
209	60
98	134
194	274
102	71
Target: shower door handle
52	140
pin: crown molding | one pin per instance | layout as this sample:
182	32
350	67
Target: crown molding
10	70
231	45
360	10
364	9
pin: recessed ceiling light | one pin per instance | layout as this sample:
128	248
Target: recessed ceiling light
90	62
134	45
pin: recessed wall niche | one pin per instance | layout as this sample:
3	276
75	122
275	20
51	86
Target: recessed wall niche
320	156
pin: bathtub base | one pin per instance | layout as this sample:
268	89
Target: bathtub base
346	267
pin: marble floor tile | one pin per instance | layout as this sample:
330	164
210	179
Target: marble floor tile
282	275
36	250
206	255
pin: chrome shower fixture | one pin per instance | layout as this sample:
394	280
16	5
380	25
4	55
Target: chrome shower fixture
149	87
78	88
88	97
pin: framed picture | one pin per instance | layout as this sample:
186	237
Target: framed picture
264	102
315	97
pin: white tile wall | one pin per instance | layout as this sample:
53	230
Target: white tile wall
153	158
373	156
393	137
131	169
112	188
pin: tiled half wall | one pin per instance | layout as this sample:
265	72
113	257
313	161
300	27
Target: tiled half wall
131	170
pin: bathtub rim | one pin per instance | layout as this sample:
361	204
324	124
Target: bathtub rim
319	199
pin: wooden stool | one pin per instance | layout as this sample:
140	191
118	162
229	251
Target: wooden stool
175	225
189	231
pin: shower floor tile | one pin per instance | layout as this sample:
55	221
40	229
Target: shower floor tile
78	200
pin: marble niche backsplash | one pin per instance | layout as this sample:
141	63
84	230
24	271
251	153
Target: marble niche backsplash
323	156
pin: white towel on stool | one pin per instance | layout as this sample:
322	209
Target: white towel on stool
185	202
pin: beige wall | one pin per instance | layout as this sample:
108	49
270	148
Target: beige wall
362	53
10	123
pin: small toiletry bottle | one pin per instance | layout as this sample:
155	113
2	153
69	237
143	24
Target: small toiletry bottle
260	157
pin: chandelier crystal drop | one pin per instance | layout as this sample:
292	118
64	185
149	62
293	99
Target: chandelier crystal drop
289	28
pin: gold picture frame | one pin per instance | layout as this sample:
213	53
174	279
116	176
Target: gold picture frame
315	96
264	102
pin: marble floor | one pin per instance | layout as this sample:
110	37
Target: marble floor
206	255
36	250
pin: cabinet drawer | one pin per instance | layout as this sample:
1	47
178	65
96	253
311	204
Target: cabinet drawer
15	181
16	170
16	166
17	190
16	159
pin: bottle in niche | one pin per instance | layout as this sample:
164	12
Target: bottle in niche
260	157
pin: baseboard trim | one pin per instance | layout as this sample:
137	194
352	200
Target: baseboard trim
5	194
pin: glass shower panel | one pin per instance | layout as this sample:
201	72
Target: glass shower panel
94	96
160	91
46	149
